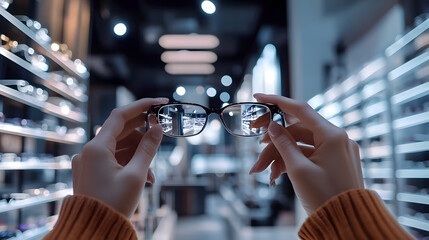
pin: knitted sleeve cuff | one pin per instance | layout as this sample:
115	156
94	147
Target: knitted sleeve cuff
355	214
84	217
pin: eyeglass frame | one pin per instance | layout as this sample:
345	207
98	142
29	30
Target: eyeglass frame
154	110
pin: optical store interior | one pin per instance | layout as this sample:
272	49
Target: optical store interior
66	64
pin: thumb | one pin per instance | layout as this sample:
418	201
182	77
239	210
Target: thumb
287	147
145	151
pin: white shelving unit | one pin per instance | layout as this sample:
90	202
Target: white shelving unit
34	201
26	106
384	107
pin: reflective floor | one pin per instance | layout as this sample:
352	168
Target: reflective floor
213	225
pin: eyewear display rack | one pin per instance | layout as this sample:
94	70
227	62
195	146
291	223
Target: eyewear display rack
384	107
43	141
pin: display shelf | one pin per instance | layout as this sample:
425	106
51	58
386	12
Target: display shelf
333	93
377	151
66	64
41	134
317	101
46	79
412	173
53	83
24	64
386	195
409	66
351	101
376	130
330	110
374	109
355	134
43	106
34	165
411	94
407	38
412	147
352	117
411	121
372	89
413	198
378	173
34	234
414	222
34	201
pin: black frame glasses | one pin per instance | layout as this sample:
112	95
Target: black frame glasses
156	109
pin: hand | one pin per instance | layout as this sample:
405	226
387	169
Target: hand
328	165
114	165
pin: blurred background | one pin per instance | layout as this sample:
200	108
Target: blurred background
65	64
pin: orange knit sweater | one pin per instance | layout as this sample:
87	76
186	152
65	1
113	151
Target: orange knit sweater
356	214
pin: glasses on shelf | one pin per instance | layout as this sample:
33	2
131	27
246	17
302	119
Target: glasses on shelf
36	27
246	119
5	3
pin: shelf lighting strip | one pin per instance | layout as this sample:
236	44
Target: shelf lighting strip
413	198
34	201
414	223
412	173
411	94
407	38
408	66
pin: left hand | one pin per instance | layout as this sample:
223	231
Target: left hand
114	165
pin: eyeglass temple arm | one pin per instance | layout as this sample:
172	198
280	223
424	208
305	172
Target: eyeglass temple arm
147	121
282	114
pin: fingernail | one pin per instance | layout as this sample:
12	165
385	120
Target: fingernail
272	181
156	132
256	95
153	177
163	99
253	169
274	129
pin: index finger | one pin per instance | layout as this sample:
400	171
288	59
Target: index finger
301	110
115	123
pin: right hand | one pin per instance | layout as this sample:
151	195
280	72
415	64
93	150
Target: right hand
326	168
114	165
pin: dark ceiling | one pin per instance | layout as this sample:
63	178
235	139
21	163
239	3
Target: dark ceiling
133	60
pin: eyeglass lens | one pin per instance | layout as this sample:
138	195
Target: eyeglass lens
246	119
181	120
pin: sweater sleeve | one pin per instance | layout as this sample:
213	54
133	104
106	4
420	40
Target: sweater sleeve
83	217
356	214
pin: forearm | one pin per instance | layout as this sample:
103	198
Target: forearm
356	214
83	217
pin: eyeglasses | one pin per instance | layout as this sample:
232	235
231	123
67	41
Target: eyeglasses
246	119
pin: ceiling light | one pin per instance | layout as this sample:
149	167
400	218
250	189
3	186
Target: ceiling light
208	7
225	97
188	56
226	80
211	92
120	29
189	68
180	91
188	41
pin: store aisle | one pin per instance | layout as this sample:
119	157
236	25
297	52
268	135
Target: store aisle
209	226
201	227
213	225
